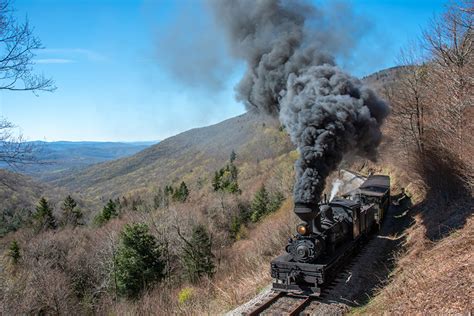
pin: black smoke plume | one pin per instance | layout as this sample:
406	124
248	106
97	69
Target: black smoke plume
291	74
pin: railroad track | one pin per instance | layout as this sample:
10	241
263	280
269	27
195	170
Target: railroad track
279	303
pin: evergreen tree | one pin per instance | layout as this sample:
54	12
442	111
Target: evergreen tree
233	156
260	204
275	201
109	211
216	181
182	193
14	252
168	190
71	215
197	255
138	262
225	179
235	225
44	215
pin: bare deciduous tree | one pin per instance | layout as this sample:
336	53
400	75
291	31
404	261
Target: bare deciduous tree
450	42
13	149
432	103
17	46
409	99
17	52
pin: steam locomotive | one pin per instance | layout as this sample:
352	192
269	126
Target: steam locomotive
331	233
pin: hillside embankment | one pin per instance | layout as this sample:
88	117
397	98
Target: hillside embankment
414	264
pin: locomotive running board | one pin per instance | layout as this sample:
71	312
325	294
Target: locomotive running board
321	273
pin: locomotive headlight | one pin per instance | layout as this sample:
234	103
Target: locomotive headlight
302	229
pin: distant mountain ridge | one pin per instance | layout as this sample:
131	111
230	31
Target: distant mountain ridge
64	156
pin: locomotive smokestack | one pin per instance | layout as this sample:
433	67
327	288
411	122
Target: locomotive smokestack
310	214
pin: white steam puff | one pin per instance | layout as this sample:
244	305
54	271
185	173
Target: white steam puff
290	74
336	184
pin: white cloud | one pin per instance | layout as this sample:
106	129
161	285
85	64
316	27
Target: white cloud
53	61
75	53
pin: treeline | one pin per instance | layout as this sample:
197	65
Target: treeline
432	104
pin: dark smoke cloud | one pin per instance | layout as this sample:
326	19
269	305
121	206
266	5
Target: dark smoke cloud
289	47
192	50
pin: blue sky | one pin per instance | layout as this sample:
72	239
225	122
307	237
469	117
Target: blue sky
113	78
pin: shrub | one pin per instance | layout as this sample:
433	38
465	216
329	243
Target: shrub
13	219
185	295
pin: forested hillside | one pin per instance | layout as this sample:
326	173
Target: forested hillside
192	156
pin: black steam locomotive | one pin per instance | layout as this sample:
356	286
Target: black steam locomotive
329	236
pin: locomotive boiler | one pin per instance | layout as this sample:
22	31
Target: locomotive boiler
329	235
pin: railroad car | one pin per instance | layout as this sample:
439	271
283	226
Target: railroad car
330	234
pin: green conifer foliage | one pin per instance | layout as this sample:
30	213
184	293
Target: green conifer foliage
109	211
197	255
14	252
138	262
44	215
264	203
235	225
260	204
233	156
226	179
71	215
182	193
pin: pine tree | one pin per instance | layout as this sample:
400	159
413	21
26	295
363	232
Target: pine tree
216	181
71	215
260	204
197	255
109	211
14	252
233	156
138	262
168	190
44	215
275	201
182	193
225	180
235	225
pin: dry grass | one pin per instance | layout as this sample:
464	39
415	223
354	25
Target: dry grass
431	278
